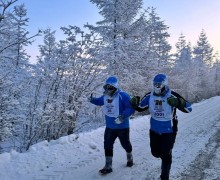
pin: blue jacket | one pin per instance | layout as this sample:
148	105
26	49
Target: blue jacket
123	108
161	112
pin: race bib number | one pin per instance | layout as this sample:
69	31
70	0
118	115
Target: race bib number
158	109
159	114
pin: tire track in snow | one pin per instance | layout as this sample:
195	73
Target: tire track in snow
193	136
199	169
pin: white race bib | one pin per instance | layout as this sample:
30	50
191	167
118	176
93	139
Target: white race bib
111	106
159	108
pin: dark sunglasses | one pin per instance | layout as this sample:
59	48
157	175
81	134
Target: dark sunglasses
158	85
109	87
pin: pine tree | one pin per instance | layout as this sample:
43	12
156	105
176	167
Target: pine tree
203	51
182	82
154	57
216	71
121	33
203	61
183	54
14	67
158	46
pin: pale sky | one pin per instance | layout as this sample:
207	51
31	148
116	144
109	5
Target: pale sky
182	16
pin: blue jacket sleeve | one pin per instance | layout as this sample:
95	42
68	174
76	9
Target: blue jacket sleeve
188	107
98	101
145	101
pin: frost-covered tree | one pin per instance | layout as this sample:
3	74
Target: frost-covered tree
203	61
158	47
203	51
131	37
14	66
6	108
182	69
20	21
155	56
121	30
180	45
62	78
183	55
216	71
33	128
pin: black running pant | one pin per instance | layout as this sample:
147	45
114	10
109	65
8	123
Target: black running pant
110	137
162	145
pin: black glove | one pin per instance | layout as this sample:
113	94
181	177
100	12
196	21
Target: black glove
176	102
135	100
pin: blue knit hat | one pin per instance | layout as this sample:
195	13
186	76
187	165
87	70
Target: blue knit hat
112	80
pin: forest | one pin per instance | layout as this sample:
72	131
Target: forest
48	99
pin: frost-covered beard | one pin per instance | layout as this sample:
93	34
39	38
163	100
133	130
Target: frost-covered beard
159	91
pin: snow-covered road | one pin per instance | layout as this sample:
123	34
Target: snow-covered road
196	154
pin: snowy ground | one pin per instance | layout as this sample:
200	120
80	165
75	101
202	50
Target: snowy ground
196	154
